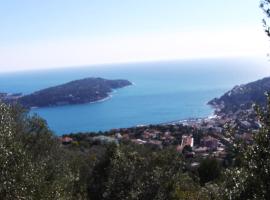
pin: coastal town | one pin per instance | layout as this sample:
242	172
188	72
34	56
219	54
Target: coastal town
195	139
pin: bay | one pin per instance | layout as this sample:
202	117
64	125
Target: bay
162	91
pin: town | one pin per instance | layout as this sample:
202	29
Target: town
195	139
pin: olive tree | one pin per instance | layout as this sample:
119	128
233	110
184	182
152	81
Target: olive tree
32	164
251	178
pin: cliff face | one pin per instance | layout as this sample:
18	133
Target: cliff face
243	96
75	92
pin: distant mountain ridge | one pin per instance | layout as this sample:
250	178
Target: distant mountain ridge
242	97
75	92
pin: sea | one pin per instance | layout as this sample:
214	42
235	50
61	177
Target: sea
162	92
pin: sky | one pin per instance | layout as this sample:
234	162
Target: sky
37	34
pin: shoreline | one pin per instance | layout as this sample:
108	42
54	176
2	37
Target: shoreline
108	97
185	121
91	102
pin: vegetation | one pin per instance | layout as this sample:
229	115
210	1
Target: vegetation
31	161
265	7
35	165
75	92
243	97
209	170
250	178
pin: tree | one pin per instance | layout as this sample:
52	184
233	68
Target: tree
16	177
32	164
209	170
251	178
265	6
134	172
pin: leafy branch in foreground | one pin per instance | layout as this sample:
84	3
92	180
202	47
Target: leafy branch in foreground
31	160
251	178
265	6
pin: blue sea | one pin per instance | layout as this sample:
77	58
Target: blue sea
161	91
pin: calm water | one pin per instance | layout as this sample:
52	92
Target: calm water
162	91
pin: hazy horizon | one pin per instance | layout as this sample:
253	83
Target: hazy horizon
262	62
40	35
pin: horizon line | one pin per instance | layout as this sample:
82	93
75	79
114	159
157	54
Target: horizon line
94	65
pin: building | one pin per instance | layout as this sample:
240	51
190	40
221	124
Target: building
187	140
209	142
66	140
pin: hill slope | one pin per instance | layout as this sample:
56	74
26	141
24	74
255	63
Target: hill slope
75	92
243	96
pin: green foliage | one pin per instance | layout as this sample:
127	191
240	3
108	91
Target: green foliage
136	172
266	8
16	177
251	178
99	176
133	176
31	160
209	170
35	166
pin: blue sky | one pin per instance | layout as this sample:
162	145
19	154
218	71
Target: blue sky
53	33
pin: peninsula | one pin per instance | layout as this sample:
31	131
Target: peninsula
75	92
242	97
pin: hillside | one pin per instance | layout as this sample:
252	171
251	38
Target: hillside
242	97
75	92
